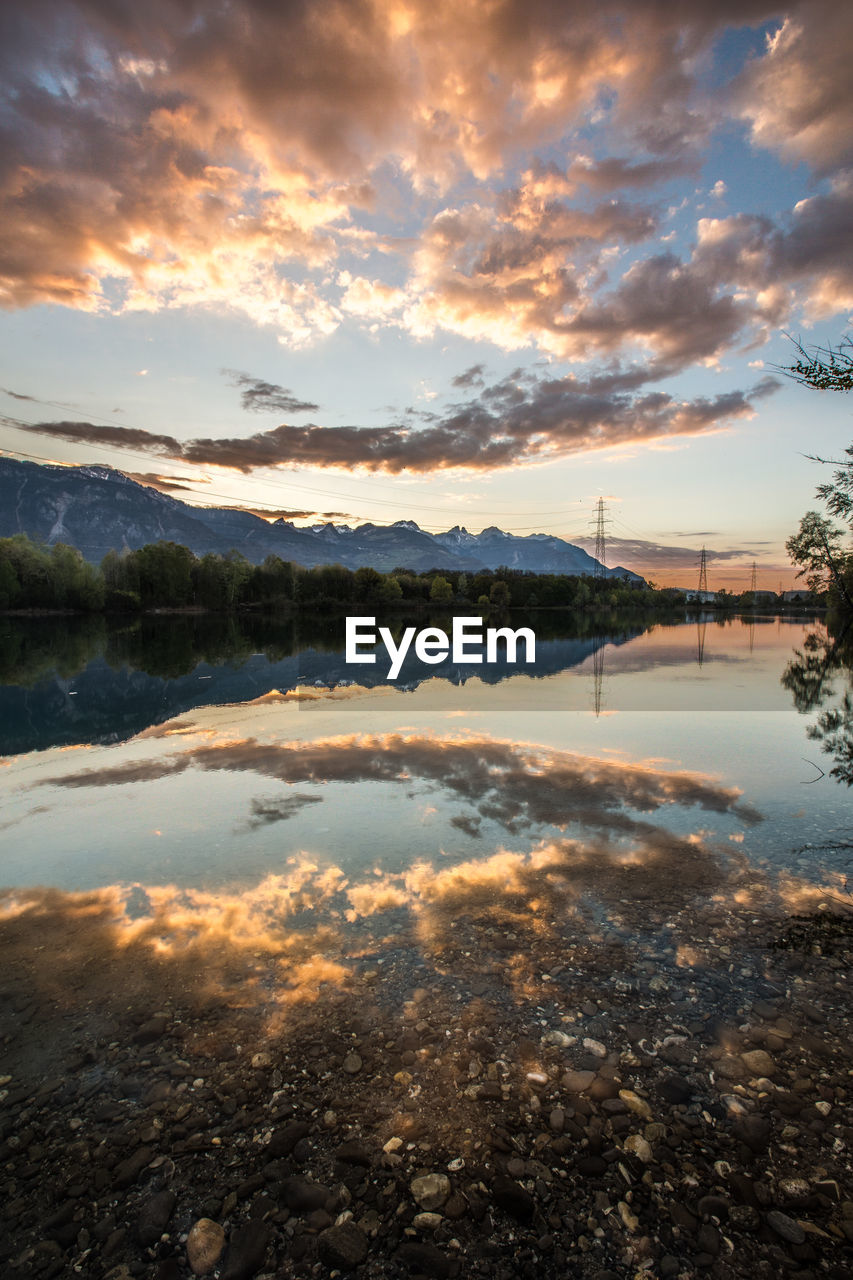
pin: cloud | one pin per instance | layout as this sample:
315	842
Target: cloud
798	97
267	397
809	250
266	812
519	786
660	556
229	157
472	377
164	484
520	419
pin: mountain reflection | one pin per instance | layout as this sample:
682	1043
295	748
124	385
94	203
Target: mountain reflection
89	682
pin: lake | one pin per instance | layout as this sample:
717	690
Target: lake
225	772
280	937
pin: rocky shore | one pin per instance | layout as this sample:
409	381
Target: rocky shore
503	1102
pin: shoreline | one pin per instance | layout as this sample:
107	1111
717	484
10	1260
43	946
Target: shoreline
578	1103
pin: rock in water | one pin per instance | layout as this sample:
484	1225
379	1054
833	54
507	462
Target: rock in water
513	1198
431	1190
343	1246
205	1243
246	1251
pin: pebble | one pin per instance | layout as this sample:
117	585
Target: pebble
344	1245
759	1063
638	1147
430	1190
352	1064
785	1227
205	1243
577	1081
427	1221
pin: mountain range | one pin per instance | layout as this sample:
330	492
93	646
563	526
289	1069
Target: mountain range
98	509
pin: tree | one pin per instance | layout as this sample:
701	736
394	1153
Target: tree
817	547
823	368
440	591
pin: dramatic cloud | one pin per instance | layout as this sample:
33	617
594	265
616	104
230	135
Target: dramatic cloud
798	98
524	418
230	157
518	420
267	397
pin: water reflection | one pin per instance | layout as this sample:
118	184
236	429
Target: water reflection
85	682
810	677
586	825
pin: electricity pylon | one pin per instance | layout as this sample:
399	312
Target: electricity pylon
703	572
600	570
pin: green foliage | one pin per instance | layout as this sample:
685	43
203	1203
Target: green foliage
816	547
440	591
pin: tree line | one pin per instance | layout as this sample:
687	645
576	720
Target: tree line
166	575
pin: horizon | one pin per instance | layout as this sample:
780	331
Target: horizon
474	269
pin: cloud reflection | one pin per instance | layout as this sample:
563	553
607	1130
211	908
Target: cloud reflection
589	836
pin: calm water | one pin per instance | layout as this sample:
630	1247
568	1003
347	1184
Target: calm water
251	786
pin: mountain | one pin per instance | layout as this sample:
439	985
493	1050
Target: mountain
98	509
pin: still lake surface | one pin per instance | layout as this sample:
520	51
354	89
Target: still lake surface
193	774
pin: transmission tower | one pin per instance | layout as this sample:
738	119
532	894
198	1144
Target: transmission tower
754	580
598	674
703	571
600	570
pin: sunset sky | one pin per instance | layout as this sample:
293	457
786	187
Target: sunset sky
463	263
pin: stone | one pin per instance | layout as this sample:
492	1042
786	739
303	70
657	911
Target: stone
355	1152
129	1170
352	1064
785	1227
577	1081
730	1067
427	1221
246	1251
205	1243
424	1259
285	1139
343	1246
630	1221
150	1031
154	1216
638	1147
759	1063
513	1199
634	1103
430	1190
302	1196
675	1089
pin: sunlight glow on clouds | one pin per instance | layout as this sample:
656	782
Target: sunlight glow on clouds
516	174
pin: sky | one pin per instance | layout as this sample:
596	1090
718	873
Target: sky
474	264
